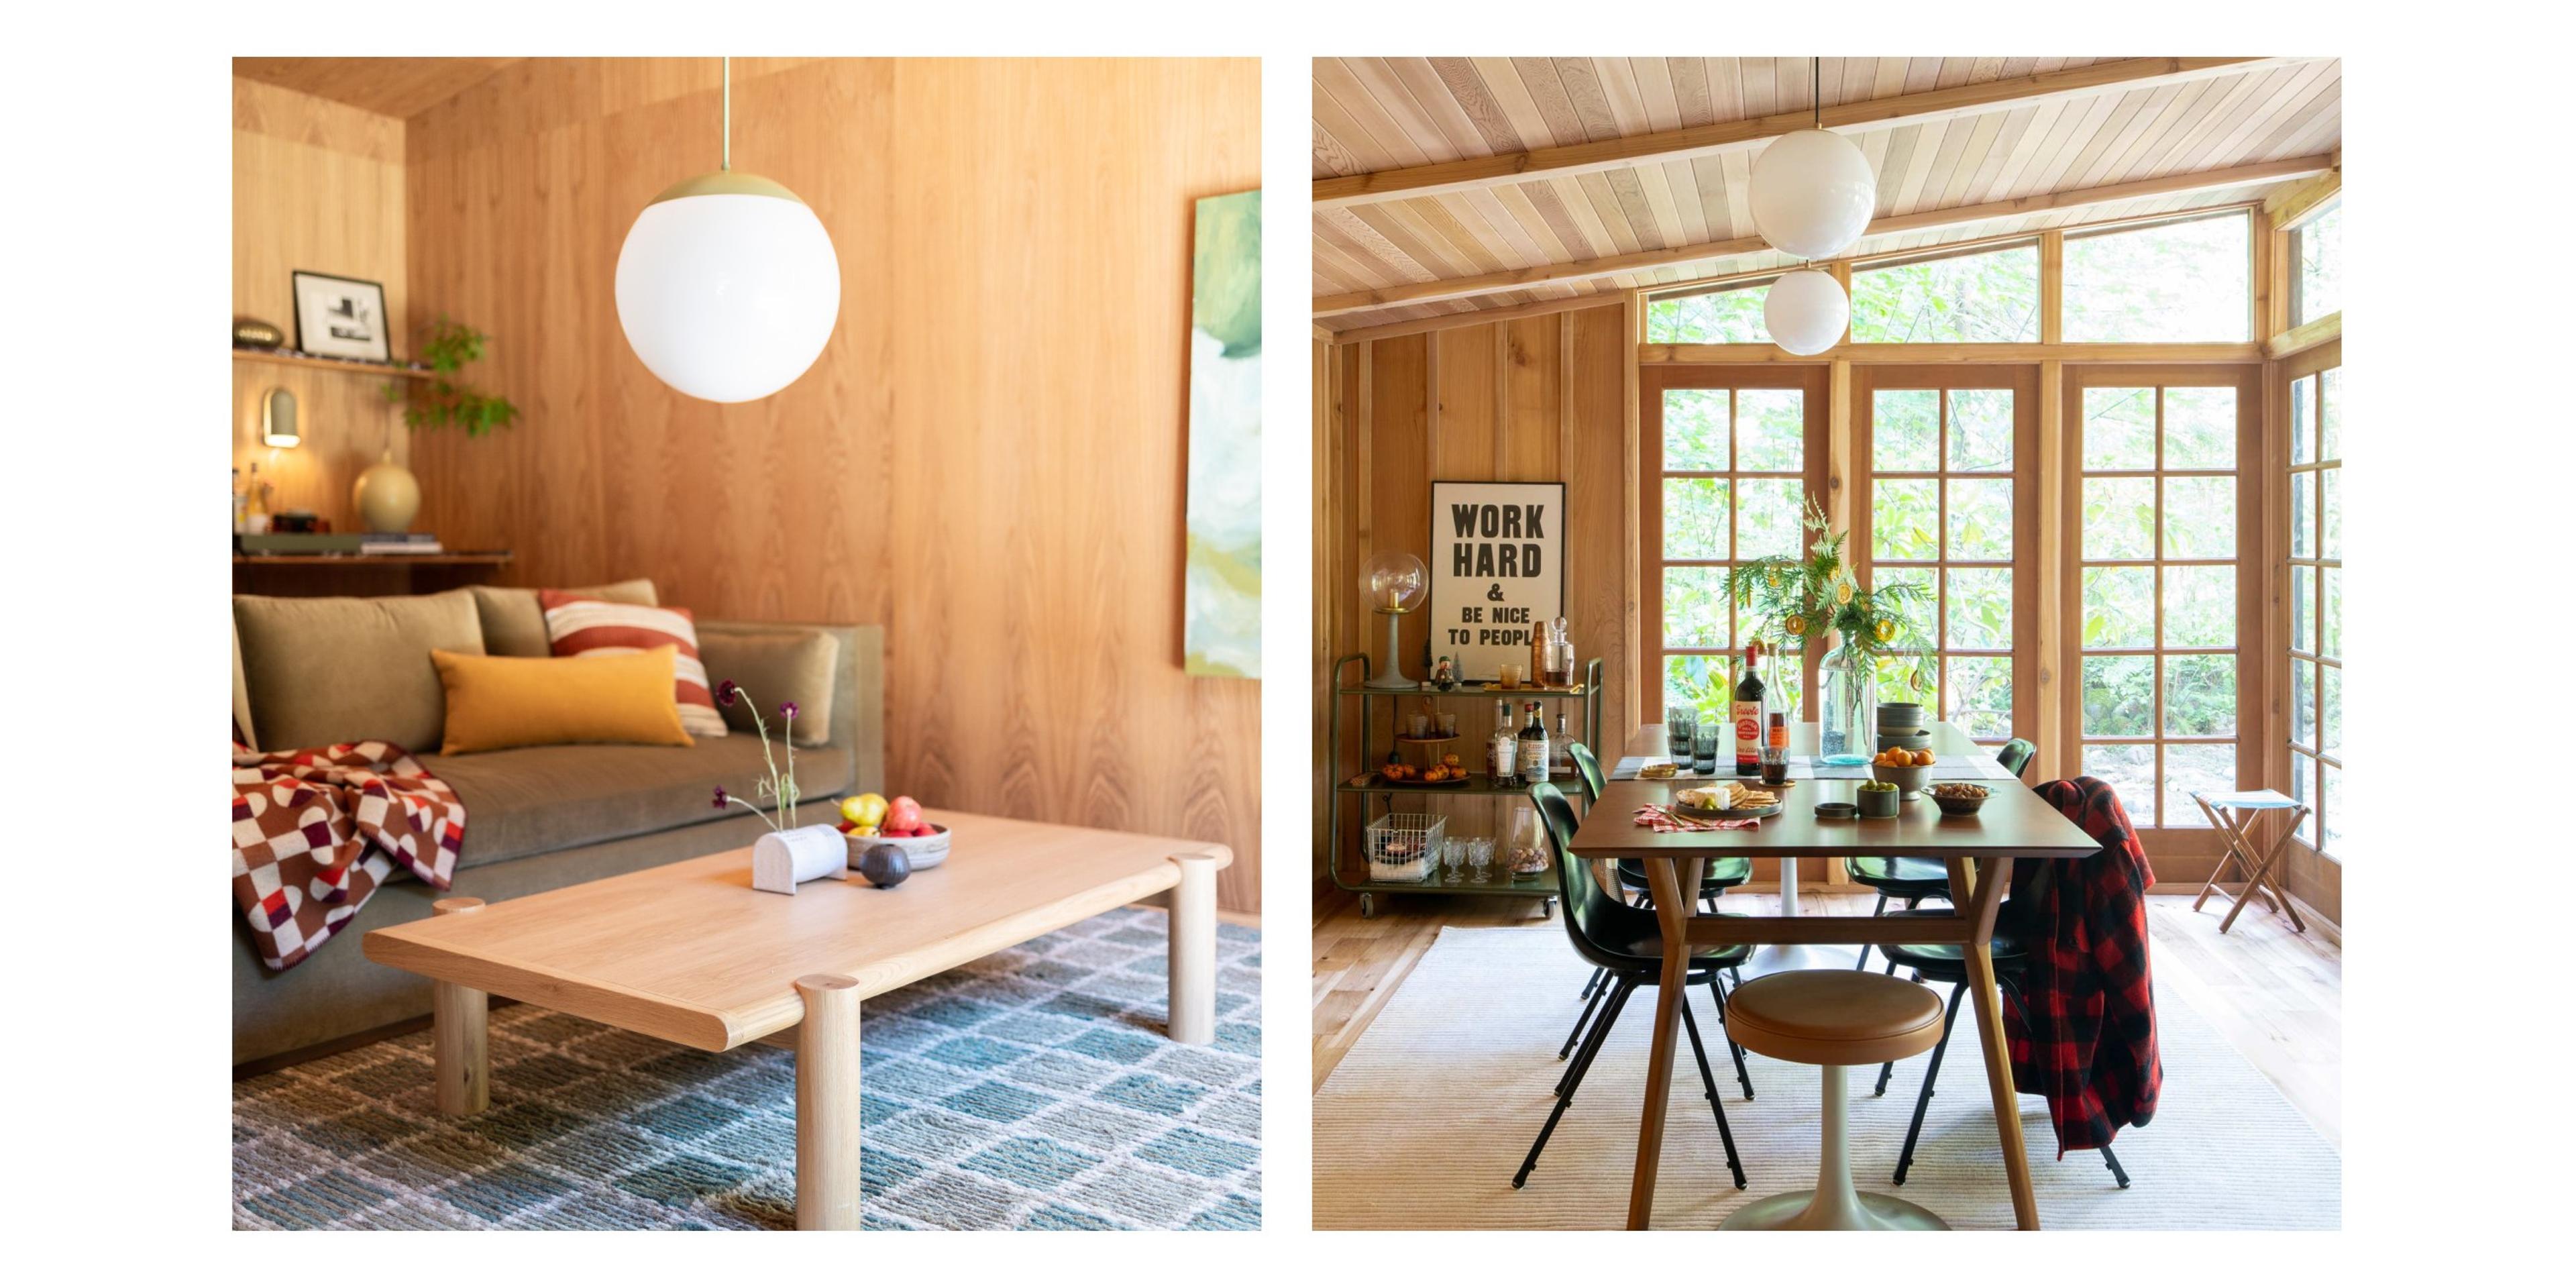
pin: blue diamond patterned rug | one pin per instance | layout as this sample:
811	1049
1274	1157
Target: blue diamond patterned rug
1031	1090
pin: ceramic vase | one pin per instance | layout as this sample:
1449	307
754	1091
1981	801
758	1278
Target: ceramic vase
780	861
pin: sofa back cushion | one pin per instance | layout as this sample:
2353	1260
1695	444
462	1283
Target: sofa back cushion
321	671
514	623
774	665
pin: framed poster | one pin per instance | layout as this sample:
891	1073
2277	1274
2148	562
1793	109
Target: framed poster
340	317
1497	571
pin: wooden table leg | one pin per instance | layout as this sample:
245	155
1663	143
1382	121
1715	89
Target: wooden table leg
1668	878
827	1104
1191	1016
459	1034
1985	888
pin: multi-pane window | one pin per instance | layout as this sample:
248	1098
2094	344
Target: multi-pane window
2316	604
1731	476
1728	315
1985	297
1941	515
2316	265
2157	609
2182	281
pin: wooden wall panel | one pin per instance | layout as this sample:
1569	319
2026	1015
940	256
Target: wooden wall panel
316	185
988	458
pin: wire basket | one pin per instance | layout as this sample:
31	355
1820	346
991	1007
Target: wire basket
1405	847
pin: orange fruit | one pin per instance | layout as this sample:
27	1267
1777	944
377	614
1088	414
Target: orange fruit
1923	757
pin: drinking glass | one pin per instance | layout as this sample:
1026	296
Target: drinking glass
1775	765
1704	750
1508	675
1418	725
1448	724
1480	858
1679	724
1453	856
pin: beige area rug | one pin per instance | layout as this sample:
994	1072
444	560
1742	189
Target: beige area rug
1428	1116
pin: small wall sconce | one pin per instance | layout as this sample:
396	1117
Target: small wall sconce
277	419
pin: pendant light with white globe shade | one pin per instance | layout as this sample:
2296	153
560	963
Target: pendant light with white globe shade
727	285
1806	311
1813	191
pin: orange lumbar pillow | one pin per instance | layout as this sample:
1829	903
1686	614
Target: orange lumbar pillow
498	702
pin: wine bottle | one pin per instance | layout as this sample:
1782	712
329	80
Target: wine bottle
1533	741
1748	713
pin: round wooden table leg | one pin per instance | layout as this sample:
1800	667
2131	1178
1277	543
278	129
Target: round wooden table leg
459	1036
1192	973
827	1104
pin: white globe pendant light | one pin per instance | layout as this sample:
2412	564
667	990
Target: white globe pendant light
1813	191
1806	311
727	286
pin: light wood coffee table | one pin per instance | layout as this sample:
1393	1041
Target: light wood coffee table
692	954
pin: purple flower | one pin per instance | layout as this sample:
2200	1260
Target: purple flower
787	709
722	800
726	692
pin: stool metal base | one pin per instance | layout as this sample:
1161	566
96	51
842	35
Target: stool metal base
1799	1211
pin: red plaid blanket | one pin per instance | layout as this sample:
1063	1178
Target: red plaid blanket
1664	820
315	832
2088	1041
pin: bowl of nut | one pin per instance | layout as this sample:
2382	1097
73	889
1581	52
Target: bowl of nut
1957	800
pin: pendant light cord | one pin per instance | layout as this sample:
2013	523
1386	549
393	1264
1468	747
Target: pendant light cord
727	163
1816	89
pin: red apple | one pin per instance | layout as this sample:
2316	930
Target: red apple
904	814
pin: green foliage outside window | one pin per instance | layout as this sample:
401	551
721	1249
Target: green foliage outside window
1715	317
1989	298
2185	282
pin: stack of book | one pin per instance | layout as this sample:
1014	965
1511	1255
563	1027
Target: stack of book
337	543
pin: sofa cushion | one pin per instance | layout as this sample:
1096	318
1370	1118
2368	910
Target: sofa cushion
587	626
496	703
537	800
321	671
787	664
514	623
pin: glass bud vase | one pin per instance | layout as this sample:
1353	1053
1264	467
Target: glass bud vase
1845	713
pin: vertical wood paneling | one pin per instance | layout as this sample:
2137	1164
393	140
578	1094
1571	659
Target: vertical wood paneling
1534	387
316	185
1009	509
1399	470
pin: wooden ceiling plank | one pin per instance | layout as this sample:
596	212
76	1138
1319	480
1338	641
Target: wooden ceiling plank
1660	205
1518	235
1547	90
1502	79
1726	89
1467	88
1655	92
1397	100
1439	102
2182	152
1600	151
1524	278
1684	186
1691	104
1376	134
1983	185
1604	202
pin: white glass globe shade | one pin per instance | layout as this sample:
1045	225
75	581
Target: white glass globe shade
1395	582
728	295
1806	311
1812	193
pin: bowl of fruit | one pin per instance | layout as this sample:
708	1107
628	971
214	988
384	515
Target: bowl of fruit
1906	769
1878	799
869	820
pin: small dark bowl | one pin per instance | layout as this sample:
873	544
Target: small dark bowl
1958	807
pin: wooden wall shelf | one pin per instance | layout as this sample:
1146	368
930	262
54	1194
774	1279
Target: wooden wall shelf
491	558
313	575
331	364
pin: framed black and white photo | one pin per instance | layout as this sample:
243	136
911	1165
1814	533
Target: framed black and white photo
1497	571
341	317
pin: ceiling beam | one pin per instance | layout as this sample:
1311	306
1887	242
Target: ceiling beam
1514	279
2122	75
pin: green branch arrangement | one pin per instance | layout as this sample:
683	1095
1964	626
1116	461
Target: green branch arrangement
1803	598
447	345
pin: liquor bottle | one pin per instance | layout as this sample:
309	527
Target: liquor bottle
1563	748
1748	713
255	517
1533	741
1502	750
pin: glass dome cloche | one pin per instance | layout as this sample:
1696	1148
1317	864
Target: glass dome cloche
1394	583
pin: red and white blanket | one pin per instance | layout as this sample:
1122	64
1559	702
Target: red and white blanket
315	832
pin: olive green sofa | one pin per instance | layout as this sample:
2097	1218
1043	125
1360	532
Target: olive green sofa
316	671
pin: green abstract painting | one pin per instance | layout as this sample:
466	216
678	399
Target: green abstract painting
1221	594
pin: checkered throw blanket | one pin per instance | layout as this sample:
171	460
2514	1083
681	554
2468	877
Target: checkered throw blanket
315	832
1664	820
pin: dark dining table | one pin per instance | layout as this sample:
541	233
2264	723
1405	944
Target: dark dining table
1979	850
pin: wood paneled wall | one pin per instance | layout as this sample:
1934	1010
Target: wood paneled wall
316	185
1525	399
989	456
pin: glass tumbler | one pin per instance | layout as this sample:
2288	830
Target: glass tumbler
1679	724
1704	742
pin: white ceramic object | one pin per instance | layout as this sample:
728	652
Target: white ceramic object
728	287
1806	311
1812	193
924	851
780	861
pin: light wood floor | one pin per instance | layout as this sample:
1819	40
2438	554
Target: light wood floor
2275	993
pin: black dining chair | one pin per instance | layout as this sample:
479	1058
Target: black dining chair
1628	944
1915	880
1947	964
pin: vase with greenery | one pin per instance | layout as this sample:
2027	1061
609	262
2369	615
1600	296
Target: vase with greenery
447	345
1801	599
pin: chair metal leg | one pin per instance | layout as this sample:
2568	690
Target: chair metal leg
1708	1082
2112	1161
1574	1078
1581	1020
1591	1039
1923	1101
1879	911
1593	985
1742	1078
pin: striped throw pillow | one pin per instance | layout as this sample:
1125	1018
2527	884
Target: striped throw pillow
579	626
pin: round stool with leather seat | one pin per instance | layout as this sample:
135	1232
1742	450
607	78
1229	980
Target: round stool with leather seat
1834	1019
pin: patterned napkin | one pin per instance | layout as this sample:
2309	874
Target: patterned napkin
1664	820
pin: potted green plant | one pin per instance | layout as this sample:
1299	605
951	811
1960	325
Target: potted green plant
1807	597
447	345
